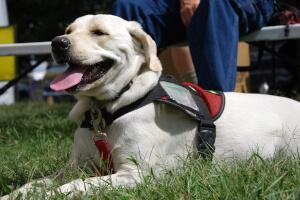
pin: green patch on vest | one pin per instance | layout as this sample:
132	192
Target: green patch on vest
179	94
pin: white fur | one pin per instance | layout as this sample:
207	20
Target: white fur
156	134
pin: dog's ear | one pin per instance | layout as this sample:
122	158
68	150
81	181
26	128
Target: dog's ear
148	44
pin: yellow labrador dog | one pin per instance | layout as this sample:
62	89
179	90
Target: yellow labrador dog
107	55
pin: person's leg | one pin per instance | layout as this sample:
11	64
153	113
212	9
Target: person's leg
183	64
213	38
159	18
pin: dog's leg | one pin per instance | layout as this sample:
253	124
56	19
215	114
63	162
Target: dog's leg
78	110
36	186
84	150
128	178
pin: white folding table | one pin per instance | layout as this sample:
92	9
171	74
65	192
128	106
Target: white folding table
274	33
271	33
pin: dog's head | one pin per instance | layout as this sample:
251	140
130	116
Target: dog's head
104	54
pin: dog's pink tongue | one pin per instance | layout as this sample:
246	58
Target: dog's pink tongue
68	79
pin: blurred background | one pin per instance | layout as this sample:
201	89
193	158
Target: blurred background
265	67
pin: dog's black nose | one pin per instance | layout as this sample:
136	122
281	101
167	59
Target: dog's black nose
60	49
60	44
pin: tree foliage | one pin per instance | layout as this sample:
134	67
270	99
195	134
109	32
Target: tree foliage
40	20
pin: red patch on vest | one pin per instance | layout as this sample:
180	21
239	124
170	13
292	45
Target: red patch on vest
213	101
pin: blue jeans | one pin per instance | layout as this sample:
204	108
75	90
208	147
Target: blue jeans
212	35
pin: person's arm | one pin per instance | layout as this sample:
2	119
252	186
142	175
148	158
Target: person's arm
187	10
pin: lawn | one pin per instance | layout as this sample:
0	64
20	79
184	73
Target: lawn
35	141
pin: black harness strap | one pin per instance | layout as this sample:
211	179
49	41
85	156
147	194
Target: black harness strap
155	94
206	132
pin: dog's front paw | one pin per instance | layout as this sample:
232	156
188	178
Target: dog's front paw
73	188
6	197
34	186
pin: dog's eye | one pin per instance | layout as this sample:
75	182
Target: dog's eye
98	32
68	31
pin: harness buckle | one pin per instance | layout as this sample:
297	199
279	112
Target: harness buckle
206	136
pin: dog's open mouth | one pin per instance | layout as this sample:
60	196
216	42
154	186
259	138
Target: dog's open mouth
77	76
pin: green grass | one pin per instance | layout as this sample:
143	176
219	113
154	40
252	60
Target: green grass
35	141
